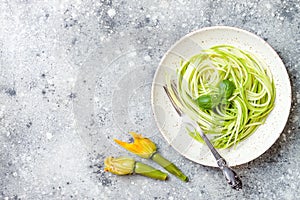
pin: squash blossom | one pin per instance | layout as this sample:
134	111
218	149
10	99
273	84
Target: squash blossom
145	148
126	166
141	146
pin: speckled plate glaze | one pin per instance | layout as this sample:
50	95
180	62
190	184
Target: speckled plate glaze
169	122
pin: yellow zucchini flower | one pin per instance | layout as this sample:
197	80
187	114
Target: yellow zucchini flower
126	166
141	146
119	166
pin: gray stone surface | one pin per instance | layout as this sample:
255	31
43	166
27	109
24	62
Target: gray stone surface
74	75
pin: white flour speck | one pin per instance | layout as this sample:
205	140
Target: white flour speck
268	6
49	136
147	58
111	12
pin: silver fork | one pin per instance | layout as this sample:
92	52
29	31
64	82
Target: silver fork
231	176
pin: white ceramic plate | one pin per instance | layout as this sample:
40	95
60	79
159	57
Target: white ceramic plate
169	122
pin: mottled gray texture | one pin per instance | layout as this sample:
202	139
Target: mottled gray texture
74	75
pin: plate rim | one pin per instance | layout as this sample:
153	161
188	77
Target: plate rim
208	29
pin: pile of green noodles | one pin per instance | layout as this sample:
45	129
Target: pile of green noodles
252	100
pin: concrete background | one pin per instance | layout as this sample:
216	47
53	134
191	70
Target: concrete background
74	75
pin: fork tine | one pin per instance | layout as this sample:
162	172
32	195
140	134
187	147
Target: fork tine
174	88
178	110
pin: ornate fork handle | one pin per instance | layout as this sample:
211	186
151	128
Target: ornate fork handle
232	178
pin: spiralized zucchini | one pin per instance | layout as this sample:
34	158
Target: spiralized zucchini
236	118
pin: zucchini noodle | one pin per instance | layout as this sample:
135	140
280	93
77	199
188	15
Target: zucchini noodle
239	116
